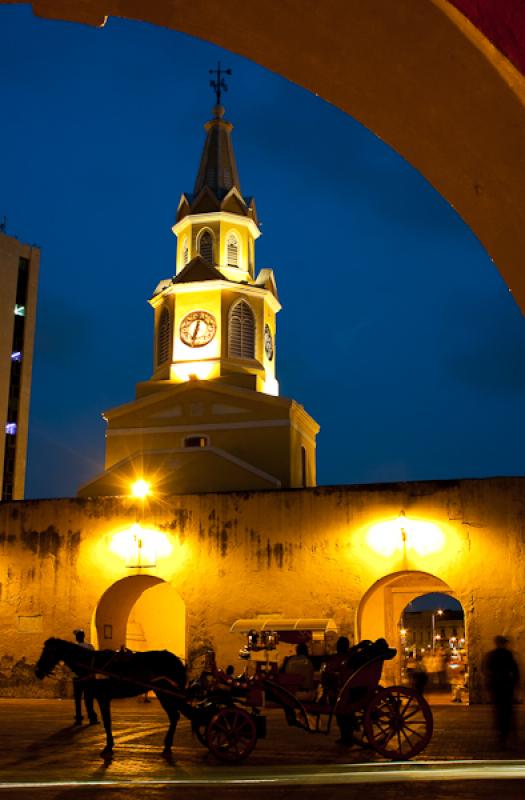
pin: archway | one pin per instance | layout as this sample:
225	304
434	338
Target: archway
141	612
382	606
382	63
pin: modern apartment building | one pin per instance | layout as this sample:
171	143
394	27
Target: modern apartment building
19	265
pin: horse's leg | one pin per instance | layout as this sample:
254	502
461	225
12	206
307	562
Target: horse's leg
169	704
104	702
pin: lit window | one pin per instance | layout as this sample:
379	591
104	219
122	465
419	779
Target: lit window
20	311
232	251
163	342
16	356
10	428
241	333
196	441
206	247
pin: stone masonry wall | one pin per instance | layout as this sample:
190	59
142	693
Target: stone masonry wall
302	553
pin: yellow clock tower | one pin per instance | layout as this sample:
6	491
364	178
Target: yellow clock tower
210	417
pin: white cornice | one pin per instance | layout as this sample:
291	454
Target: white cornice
219	216
211	286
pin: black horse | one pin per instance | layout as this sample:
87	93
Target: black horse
122	674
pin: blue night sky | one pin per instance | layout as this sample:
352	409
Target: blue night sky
414	365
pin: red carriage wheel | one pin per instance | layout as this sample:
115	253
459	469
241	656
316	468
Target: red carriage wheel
231	734
398	722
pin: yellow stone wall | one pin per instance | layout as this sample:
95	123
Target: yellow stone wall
296	552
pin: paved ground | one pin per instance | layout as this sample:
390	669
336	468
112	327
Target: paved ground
39	745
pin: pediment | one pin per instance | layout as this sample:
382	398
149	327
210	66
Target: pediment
205	202
172	412
186	471
197	399
184	208
198	270
234	203
221	409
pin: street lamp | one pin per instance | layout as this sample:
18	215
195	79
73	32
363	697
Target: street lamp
435	614
140	488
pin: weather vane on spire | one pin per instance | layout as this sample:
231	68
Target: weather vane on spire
219	85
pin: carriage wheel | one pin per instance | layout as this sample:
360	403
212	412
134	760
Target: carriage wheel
231	734
398	722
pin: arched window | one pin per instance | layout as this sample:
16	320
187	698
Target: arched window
241	333
163	337
304	467
206	246
232	250
185	252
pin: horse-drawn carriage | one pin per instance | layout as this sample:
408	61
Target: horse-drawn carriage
226	713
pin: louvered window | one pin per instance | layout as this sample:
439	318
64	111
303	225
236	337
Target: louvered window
185	252
163	343
206	246
232	251
241	338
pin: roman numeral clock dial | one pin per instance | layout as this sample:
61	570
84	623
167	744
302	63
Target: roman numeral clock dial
197	328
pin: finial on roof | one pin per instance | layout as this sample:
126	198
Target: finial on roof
219	84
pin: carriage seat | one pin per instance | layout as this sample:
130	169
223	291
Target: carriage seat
365	651
298	677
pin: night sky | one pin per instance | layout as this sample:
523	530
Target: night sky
397	333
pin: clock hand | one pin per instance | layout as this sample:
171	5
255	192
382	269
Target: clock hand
196	330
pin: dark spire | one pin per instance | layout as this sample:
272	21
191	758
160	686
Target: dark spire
217	175
217	170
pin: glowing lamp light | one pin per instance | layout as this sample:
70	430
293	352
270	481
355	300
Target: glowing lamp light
140	547
140	488
387	538
194	371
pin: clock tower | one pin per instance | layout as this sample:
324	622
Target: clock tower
210	417
215	319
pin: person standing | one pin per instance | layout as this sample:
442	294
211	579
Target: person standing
81	686
502	678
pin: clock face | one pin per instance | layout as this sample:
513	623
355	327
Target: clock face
197	328
268	342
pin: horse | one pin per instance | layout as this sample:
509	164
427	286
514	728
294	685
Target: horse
124	674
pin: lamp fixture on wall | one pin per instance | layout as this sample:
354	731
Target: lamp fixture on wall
402	535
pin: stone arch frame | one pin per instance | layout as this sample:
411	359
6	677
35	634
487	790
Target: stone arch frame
380	63
410	584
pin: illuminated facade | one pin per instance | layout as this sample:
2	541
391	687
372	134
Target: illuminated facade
210	418
19	265
177	572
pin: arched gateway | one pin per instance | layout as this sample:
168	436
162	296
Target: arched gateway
141	612
382	606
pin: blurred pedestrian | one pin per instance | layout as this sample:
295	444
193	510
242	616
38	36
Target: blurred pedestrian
419	676
502	678
81	686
